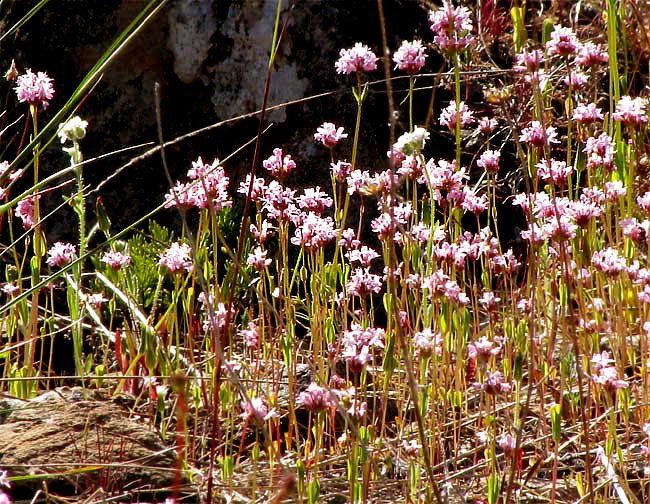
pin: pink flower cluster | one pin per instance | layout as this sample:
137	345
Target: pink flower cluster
278	165
177	257
208	188
448	116
357	345
410	57
329	135
357	59
115	259
452	27
256	410
35	89
317	398
61	254
25	211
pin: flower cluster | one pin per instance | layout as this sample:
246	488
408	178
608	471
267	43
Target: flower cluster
410	57
357	59
116	260
357	345
452	27
208	188
177	257
317	398
35	89
329	135
61	254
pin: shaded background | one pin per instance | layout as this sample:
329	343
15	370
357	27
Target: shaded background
210	58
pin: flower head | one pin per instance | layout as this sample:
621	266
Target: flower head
279	165
35	89
257	258
411	143
537	136
61	254
116	259
74	129
357	59
631	111
317	398
25	211
410	57
489	161
329	135
449	114
255	409
563	42
452	27
177	257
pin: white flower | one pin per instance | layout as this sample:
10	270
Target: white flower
74	129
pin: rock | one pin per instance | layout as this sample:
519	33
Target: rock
81	445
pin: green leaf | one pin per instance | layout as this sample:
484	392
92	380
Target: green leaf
519	34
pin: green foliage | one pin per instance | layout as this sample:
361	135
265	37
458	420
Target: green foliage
143	275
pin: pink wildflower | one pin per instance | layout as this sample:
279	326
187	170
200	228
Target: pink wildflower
35	89
608	261
494	384
601	152
279	165
314	232
489	161
177	257
591	54
483	349
537	136
365	255
614	190
427	343
358	343
251	335
608	378
209	188
340	169
315	200
25	211
257	191
554	171
96	300
61	254
218	317
411	143
575	80
116	259
489	300
257	258
587	113
348	239
317	398
474	203
487	125
329	135
452	27
563	42
448	116
255	409
362	282
410	57
506	442
631	111
644	202
357	59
